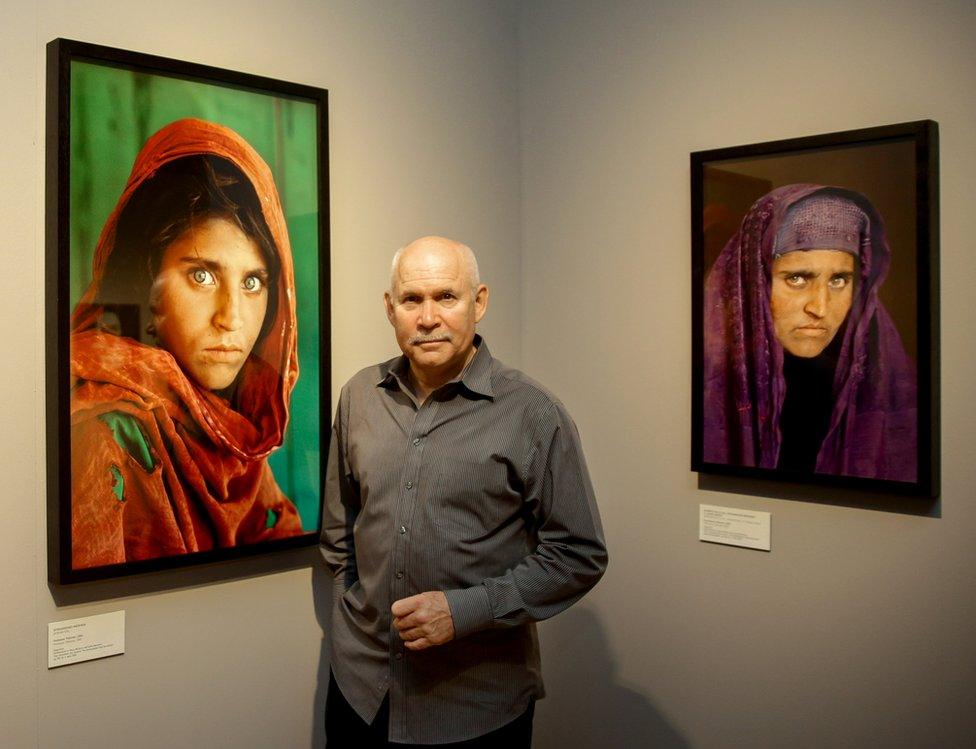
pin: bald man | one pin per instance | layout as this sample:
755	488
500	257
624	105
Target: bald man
458	513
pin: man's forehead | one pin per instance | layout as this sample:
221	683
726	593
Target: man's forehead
429	267
428	285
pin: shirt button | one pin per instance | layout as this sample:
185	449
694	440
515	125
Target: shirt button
416	440
398	656
403	529
399	575
410	484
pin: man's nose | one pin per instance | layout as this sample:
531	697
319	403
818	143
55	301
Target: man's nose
428	314
816	304
227	315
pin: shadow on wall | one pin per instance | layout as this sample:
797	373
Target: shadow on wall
322	598
586	706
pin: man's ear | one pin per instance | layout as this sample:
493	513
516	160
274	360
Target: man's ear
388	303
480	302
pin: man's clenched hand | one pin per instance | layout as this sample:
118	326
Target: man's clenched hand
423	620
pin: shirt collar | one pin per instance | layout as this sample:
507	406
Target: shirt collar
476	377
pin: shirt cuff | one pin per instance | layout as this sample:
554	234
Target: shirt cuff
470	609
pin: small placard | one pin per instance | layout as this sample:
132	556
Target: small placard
734	527
85	639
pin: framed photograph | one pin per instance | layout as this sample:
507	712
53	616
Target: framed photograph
187	302
815	310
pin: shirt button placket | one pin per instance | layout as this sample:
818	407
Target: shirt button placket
407	509
407	514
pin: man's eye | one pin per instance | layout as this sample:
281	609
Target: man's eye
202	276
796	281
253	283
839	282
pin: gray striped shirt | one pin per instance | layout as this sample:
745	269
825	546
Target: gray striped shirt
482	492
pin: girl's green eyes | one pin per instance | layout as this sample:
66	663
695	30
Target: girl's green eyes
203	277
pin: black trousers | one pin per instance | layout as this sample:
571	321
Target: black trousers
344	729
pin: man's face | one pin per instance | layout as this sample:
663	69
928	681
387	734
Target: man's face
209	300
812	291
433	309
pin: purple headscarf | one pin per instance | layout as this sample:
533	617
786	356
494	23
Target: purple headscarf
873	426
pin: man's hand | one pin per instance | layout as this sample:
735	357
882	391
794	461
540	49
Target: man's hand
423	620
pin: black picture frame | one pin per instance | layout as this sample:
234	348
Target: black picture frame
896	168
117	98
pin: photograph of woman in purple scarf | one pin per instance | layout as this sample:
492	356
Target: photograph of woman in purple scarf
804	369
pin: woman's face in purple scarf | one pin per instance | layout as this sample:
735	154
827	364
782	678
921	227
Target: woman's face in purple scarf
811	294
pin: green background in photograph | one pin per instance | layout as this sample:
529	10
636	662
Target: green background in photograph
113	112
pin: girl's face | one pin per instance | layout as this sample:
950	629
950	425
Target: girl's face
209	300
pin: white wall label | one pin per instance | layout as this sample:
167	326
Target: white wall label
728	525
85	639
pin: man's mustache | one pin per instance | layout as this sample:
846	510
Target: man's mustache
429	338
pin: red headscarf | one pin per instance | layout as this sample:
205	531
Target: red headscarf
210	485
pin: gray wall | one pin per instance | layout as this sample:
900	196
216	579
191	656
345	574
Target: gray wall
553	136
857	629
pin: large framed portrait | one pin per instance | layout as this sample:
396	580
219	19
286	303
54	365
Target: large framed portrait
815	309
187	301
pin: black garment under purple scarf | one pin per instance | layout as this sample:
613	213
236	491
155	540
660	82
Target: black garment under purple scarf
873	427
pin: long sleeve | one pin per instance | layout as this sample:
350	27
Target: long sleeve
570	556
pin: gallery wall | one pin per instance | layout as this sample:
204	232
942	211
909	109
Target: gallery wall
856	630
423	139
554	137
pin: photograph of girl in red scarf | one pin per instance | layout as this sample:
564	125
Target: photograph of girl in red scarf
183	357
